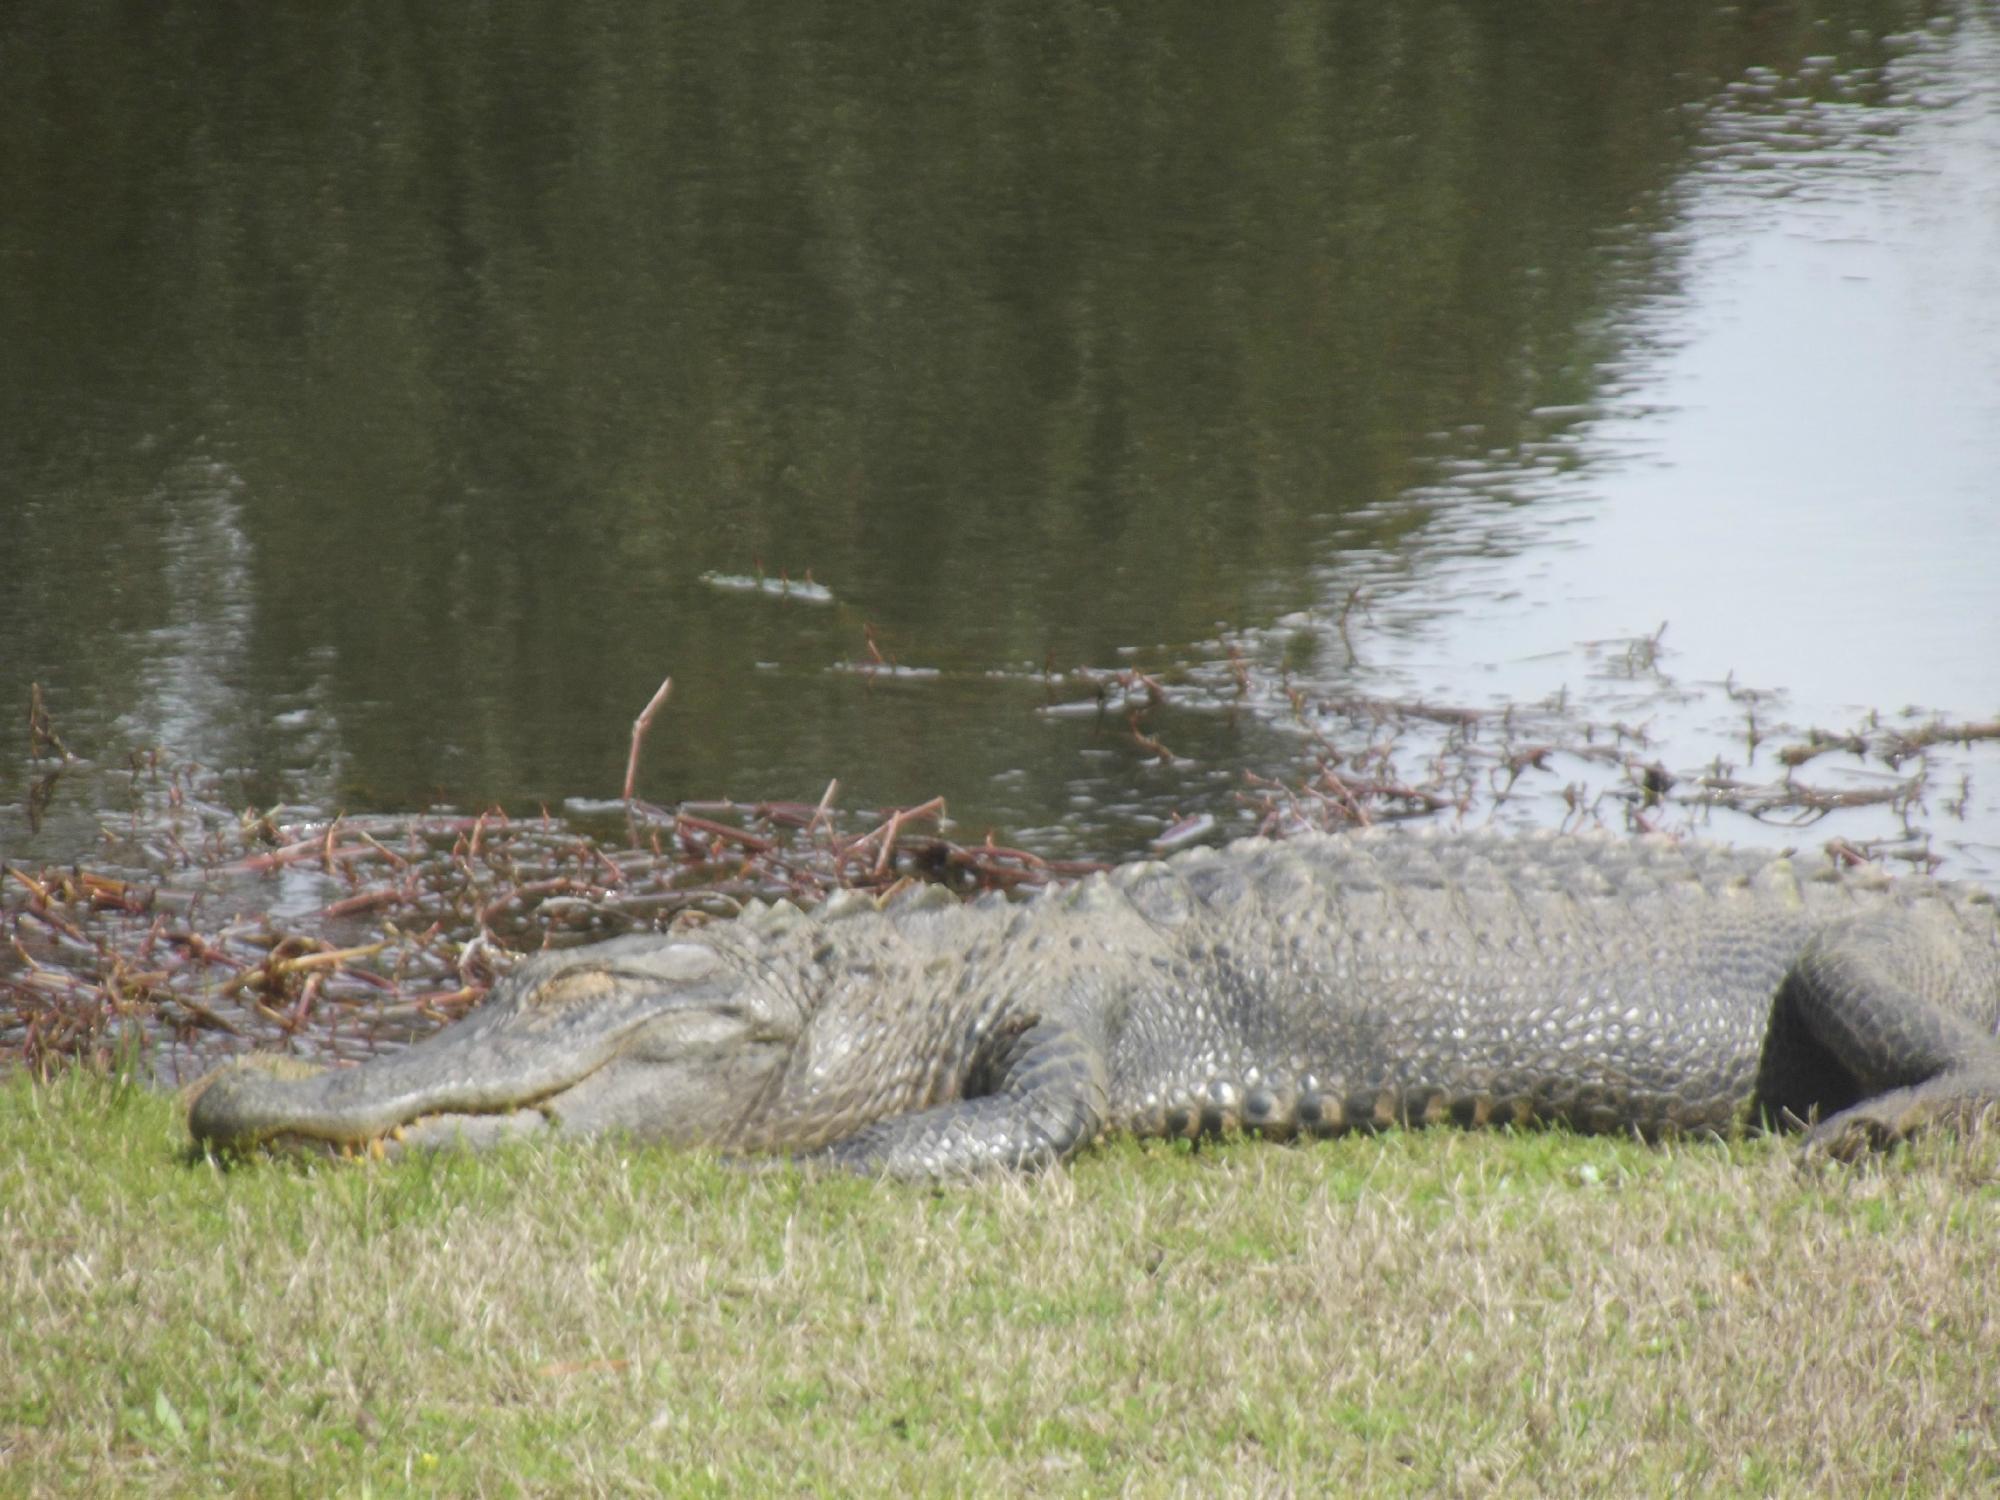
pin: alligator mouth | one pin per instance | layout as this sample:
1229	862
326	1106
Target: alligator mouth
443	1131
280	1106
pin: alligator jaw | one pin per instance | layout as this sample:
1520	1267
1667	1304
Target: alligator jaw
439	1132
271	1104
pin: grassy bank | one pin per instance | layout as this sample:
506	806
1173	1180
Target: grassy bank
1411	1313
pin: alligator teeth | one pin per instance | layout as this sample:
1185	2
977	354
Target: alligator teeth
377	1149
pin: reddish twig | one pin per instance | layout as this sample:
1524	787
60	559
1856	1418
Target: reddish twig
639	727
1147	742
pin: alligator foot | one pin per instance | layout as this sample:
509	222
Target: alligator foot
1874	1125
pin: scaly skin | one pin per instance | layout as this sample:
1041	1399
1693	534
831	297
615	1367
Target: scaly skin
1308	986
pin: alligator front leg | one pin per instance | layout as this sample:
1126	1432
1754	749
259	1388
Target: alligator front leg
1868	997
1047	1102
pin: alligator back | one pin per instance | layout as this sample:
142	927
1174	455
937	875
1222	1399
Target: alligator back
1380	978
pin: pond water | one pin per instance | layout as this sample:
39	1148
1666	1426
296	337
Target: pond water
390	398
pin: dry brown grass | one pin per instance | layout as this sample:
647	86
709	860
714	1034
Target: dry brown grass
1424	1313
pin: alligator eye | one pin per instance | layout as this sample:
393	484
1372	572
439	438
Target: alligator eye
572	988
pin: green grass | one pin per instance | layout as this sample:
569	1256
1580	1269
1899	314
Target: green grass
1417	1313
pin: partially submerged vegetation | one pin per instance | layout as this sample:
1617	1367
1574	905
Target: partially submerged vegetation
209	927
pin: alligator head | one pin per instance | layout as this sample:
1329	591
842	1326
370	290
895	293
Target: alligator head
663	1039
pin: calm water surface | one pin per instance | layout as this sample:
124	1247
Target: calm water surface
382	391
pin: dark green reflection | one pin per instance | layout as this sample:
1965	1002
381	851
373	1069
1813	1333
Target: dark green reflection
378	380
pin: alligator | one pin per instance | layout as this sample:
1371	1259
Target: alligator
1295	987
